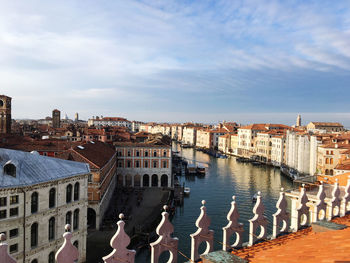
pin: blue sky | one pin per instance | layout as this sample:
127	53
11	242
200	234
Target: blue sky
246	61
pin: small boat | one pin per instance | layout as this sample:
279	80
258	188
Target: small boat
255	163
254	198
200	170
187	190
192	169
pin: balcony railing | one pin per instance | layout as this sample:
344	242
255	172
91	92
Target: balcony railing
325	203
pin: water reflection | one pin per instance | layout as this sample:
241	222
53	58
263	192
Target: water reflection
224	178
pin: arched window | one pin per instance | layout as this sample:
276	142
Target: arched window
34	261
76	191
327	161
331	171
327	172
331	160
52	228
34	202
52	257
154	154
52	198
69	218
76	244
76	219
69	193
34	235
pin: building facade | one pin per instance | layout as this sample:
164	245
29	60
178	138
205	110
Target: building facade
38	197
109	121
5	114
144	165
101	159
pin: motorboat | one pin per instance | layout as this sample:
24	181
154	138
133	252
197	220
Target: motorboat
187	190
255	198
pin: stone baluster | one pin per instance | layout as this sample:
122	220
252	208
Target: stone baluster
345	204
300	211
67	253
119	243
334	205
4	255
258	221
281	216
203	234
164	242
233	227
320	207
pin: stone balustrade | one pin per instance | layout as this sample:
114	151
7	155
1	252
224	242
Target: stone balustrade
303	213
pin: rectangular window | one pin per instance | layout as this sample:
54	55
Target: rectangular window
129	164
90	178
129	153
137	164
13	233
13	248
146	153
155	164
13	199
14	211
164	164
120	164
137	153
146	164
3	214
3	201
164	153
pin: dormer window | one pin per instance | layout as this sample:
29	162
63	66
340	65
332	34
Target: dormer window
10	169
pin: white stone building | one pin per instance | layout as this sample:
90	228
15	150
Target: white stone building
144	165
301	152
277	150
189	135
110	121
38	196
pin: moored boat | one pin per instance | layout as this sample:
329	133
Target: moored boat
187	190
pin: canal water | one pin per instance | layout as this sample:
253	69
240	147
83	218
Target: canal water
224	178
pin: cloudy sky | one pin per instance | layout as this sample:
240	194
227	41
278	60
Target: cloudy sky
247	61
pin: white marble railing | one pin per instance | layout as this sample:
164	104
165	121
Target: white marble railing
303	213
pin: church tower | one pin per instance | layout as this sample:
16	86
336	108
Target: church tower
298	124
5	114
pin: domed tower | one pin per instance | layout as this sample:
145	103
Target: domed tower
5	114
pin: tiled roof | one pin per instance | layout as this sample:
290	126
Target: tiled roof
32	168
137	144
303	246
97	153
327	124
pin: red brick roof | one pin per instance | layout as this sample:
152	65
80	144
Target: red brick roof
95	153
303	246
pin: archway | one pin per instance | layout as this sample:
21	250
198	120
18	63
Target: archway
91	218
145	180
164	180
154	180
137	180
128	182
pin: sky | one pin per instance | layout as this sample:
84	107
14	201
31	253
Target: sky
175	61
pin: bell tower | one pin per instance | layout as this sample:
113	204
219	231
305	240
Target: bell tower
5	114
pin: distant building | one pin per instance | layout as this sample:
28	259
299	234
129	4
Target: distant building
56	118
144	165
298	123
76	117
38	197
325	126
5	114
109	121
